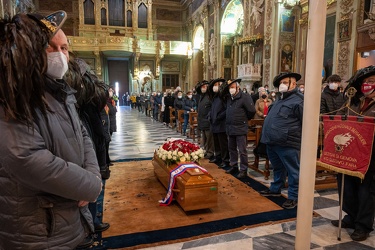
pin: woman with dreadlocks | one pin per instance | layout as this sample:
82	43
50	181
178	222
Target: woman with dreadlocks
48	168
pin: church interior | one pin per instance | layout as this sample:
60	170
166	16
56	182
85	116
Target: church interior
144	46
158	45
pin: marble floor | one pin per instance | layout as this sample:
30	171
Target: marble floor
138	136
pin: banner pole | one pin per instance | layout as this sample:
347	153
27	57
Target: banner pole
341	202
310	124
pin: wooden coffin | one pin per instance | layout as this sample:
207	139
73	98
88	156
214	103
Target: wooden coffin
193	190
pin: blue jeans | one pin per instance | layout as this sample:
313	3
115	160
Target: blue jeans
285	162
186	121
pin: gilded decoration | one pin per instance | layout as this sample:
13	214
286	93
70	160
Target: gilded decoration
343	60
266	73
170	66
268	31
345	5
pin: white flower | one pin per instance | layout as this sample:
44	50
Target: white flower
186	155
195	157
175	153
182	159
180	153
201	155
169	156
163	157
174	158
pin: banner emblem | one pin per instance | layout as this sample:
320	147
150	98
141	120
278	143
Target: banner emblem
347	145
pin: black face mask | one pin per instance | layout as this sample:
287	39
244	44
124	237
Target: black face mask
264	96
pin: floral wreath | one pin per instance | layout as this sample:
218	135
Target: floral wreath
178	150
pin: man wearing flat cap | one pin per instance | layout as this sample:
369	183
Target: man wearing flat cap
359	195
282	130
240	109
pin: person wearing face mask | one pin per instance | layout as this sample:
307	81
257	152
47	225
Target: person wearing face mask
178	104
203	109
261	105
331	99
48	171
169	102
282	130
217	116
301	88
157	106
189	105
359	195
240	109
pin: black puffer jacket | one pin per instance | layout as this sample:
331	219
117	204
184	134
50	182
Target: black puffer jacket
331	100
217	115
44	172
204	108
240	109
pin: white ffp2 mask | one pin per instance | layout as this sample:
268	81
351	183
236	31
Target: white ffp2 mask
57	65
283	88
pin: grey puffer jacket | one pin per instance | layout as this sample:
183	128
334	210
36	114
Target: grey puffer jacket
44	172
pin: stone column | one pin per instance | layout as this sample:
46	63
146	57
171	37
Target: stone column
310	127
235	58
98	62
345	48
149	20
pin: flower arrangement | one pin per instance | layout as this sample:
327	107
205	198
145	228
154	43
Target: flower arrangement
178	150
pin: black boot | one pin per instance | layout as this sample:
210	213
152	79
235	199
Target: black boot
86	243
232	170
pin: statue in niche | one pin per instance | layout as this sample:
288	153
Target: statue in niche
256	12
212	45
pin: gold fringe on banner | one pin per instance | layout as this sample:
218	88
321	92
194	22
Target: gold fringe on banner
340	170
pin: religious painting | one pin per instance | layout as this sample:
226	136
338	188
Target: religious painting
287	22
286	60
344	30
329	45
167	66
227	73
227	51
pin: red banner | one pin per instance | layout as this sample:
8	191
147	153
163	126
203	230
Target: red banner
347	145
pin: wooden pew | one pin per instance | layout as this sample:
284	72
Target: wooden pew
193	124
172	117
180	120
254	136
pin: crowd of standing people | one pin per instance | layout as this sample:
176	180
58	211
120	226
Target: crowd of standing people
57	118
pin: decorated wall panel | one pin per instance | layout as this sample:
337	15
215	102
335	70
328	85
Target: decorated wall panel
169	33
168	15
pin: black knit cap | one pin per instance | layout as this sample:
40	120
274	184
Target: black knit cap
282	75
